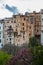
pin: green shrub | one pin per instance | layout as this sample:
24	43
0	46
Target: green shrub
4	57
38	56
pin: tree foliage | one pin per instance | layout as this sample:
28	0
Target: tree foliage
32	41
38	56
22	58
4	57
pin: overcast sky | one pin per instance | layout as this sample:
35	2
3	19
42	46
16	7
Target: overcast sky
22	6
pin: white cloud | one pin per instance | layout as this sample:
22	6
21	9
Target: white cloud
5	13
23	5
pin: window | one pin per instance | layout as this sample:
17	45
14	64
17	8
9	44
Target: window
7	21
18	40
42	31
0	40
11	21
16	26
1	22
7	39
29	34
10	27
14	21
23	24
0	27
5	26
23	37
30	27
0	32
2	45
31	19
24	33
23	28
10	38
24	19
10	42
42	19
14	16
16	29
37	30
0	36
27	19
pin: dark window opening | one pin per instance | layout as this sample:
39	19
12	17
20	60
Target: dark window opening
42	19
7	21
24	19
23	37
42	31
10	38
10	42
7	39
16	29
14	16
0	27
30	34
23	24
37	30
23	33
23	28
27	19
0	40
0	32
31	19
11	21
14	21
5	26
30	27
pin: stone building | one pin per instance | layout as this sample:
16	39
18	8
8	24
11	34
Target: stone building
19	28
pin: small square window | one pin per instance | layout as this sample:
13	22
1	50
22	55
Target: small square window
0	27
23	28
14	21
27	20
24	19
23	24
30	27
10	42
0	32
7	39
31	19
37	30
42	31
0	40
10	38
29	34
11	21
7	21
42	19
0	36
5	26
23	37
23	33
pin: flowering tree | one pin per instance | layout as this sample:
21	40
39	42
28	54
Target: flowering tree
22	58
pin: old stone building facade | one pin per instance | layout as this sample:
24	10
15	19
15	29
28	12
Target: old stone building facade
19	28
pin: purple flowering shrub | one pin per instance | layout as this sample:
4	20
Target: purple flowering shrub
22	58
